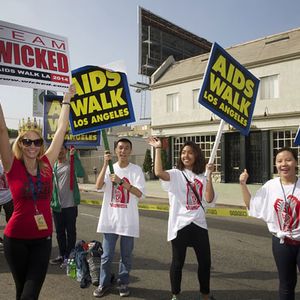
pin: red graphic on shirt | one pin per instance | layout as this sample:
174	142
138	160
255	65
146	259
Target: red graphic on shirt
288	214
119	196
42	190
192	203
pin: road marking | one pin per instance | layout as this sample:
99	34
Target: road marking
218	211
88	215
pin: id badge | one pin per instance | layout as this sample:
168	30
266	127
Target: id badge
40	222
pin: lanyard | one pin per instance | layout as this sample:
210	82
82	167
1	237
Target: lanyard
35	189
286	201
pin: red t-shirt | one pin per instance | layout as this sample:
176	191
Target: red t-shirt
22	224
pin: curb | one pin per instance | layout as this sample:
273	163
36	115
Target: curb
218	211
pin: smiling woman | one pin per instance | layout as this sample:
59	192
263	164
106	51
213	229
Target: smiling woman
28	169
189	192
277	203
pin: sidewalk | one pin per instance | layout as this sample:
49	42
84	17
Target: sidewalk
229	194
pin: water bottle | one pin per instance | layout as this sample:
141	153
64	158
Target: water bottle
72	272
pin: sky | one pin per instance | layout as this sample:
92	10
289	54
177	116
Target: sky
100	32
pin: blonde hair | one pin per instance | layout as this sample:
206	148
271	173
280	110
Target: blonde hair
18	152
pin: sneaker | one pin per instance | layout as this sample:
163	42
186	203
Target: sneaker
175	297
56	261
124	290
100	291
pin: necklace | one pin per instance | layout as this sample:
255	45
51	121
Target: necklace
287	204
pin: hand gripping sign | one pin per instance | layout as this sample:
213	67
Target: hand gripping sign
229	90
102	100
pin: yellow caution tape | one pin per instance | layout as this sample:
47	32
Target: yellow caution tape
223	212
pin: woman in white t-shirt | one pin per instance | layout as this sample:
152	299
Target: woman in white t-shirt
277	202
189	192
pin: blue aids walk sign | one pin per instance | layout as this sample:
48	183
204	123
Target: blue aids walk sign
229	90
52	108
102	100
297	138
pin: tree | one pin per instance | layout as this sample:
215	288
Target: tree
147	165
12	133
164	159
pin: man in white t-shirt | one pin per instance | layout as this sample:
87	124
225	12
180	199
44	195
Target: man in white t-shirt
119	215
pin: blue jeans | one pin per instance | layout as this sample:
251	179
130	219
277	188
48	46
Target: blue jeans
126	248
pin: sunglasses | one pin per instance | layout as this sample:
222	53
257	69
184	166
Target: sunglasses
29	142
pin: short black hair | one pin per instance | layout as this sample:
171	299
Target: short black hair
291	150
122	140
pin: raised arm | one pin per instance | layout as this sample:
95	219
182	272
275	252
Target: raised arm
209	192
158	169
62	125
245	191
101	176
5	149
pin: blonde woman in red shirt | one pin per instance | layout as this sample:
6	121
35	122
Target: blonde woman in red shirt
28	168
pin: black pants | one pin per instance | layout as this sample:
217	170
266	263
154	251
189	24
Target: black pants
196	237
28	262
8	209
287	258
65	225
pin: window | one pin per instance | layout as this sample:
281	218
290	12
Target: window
196	104
269	87
173	102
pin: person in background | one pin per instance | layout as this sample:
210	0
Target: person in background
5	199
189	192
28	168
65	199
277	202
119	217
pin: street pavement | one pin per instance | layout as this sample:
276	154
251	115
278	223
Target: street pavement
152	252
242	264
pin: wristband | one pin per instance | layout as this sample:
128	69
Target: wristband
121	181
67	103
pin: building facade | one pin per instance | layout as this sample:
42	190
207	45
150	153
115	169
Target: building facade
175	86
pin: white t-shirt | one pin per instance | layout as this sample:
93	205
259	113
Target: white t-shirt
184	206
119	213
5	195
269	205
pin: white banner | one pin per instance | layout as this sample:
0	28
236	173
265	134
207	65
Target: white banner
33	58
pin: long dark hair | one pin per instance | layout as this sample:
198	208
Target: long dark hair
199	165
